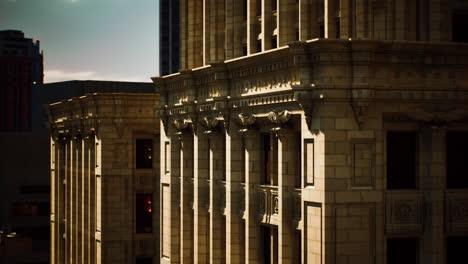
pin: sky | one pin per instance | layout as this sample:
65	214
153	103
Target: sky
90	39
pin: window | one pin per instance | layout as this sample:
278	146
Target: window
259	45
401	160
457	158
144	212
338	25
259	7
144	260
402	251
459	25
297	246
298	156
274	5
266	156
321	30
31	209
269	244
274	42
144	153
456	247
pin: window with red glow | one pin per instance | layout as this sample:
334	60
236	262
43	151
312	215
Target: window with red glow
144	212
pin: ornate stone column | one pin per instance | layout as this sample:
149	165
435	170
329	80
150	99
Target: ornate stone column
217	30
201	196
287	144
432	176
252	23
252	178
305	19
330	19
187	184
234	175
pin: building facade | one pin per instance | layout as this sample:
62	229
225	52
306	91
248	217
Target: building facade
316	132
103	179
21	67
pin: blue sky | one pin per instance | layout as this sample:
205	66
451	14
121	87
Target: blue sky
90	39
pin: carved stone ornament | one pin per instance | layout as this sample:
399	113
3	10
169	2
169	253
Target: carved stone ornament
275	204
246	120
279	118
165	122
210	122
181	124
360	111
438	115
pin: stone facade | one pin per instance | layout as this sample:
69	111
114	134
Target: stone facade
95	180
281	155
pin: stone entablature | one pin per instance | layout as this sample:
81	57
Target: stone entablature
305	74
318	64
84	115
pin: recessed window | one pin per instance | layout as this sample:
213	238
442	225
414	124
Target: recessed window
402	251
259	45
338	27
456	247
144	212
266	156
144	260
274	5
259	7
298	156
269	243
401	160
274	42
457	160
144	153
459	26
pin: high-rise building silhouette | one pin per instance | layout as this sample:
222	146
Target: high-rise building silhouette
169	36
21	66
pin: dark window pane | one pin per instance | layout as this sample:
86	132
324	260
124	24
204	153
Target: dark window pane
402	251
456	247
144	212
266	158
144	153
401	160
457	160
459	26
144	260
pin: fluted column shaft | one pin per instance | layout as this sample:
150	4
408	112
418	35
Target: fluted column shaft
287	144
201	197
186	167
252	176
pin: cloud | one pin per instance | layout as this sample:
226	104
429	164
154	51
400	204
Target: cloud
60	76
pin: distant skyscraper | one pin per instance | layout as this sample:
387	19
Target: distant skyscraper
21	66
169	36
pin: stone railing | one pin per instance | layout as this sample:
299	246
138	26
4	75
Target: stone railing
268	207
